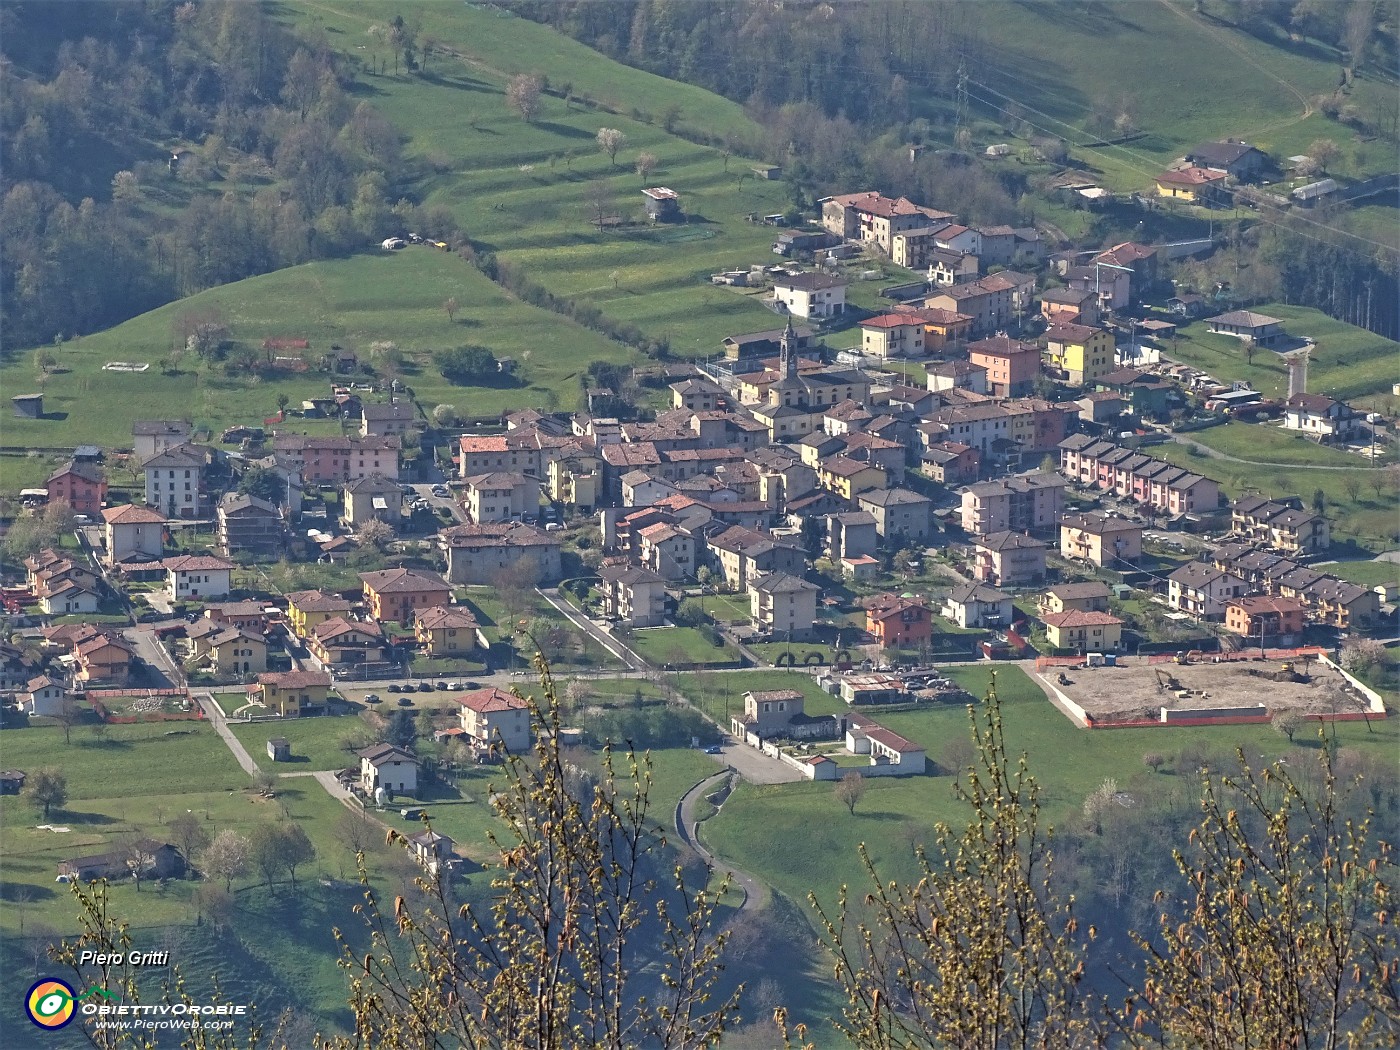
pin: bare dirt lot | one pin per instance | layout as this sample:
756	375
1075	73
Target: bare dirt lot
1134	689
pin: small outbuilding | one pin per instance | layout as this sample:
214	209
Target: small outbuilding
662	204
279	750
28	406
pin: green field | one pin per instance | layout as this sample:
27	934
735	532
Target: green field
1270	444
1368	519
680	645
1347	362
1369	573
799	838
1055	63
391	296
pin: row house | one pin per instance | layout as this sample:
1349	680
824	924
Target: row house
875	219
308	609
479	554
1133	475
1266	620
508	452
500	496
63	586
951	463
1282	524
1030	502
1201	590
892	335
745	554
336	460
1326	600
942	328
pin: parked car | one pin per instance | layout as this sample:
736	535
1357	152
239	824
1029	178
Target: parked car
714	749
443	685
425	687
394	687
371	698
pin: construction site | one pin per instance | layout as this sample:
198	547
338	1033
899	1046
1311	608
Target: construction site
1134	690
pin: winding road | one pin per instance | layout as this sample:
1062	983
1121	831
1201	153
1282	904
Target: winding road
755	893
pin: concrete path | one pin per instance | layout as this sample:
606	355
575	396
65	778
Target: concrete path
755	893
602	637
220	724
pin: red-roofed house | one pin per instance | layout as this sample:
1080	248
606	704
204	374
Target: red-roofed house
1084	632
892	335
134	533
1190	184
448	630
199	576
1267	620
293	693
494	717
395	594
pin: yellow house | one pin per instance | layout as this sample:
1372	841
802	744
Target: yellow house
1085	632
846	476
574	481
1189	184
1080	352
293	693
308	609
238	651
448	630
787	422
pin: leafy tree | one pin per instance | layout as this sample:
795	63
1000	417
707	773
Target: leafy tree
524	92
850	789
980	950
1319	501
47	787
445	415
401	732
1154	761
1324	153
465	365
646	164
611	141
1281	936
227	857
264	483
691	613
587	942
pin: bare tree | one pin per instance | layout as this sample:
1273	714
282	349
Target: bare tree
523	94
1286	723
646	164
850	789
450	306
600	201
1352	487
611	141
560	959
189	834
375	533
357	831
1324	153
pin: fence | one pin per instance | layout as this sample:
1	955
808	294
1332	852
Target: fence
1243	654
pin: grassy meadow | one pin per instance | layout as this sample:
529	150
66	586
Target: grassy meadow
1347	362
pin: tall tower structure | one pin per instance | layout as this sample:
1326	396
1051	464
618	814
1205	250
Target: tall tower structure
787	351
1298	371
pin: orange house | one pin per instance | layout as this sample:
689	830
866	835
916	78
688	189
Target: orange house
396	594
81	484
896	621
1265	618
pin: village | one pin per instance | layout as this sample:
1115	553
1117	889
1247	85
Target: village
977	472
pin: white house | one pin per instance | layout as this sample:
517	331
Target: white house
44	696
133	533
1203	591
388	767
811	295
977	605
198	576
1317	415
493	716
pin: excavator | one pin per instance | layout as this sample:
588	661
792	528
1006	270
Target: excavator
1167	682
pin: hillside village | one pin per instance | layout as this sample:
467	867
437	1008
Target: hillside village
969	473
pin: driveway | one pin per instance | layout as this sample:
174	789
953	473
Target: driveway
602	637
754	766
220	724
161	670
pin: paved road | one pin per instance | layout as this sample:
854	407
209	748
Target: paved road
755	893
160	665
602	637
220	724
753	765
